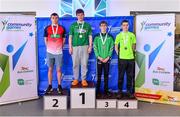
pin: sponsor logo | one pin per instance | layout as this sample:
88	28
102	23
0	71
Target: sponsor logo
152	26
24	70
157	82
171	99
22	82
161	70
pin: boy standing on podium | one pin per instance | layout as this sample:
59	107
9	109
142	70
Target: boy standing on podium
103	48
54	36
125	45
80	46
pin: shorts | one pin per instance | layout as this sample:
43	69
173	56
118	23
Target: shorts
54	59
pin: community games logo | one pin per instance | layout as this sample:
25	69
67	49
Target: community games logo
10	26
154	26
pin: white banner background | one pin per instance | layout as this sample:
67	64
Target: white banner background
19	31
153	30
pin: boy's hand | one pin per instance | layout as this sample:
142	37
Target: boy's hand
70	50
106	60
101	59
89	49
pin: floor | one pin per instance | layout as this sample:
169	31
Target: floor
35	108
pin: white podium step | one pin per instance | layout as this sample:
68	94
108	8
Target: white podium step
82	97
54	101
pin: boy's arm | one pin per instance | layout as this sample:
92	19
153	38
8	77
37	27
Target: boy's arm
111	47
90	39
70	39
134	43
45	36
117	44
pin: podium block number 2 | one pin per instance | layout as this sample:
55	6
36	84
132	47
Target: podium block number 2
55	102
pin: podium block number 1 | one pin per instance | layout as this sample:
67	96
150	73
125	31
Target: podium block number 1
82	98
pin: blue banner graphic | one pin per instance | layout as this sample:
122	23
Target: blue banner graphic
114	27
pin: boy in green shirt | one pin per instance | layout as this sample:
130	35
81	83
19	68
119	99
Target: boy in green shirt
80	45
103	48
125	44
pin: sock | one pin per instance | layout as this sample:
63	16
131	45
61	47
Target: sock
59	86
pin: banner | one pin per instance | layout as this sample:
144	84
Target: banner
114	28
155	58
18	67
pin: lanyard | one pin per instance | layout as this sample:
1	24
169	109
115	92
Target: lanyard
80	28
125	38
103	41
54	33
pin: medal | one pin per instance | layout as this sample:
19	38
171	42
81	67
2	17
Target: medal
80	30
103	41
80	36
54	33
125	40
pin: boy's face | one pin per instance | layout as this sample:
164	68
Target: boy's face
54	19
103	27
80	16
125	26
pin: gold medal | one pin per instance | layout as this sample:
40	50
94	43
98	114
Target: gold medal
80	36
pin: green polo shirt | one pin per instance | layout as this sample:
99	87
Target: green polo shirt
80	39
125	40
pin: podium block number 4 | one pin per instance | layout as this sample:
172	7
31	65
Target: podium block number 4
128	104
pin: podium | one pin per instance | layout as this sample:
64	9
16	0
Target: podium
127	103
82	97
106	102
55	101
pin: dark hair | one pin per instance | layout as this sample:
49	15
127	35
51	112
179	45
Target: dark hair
103	22
54	14
78	11
124	21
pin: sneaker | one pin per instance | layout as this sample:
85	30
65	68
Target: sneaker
107	94
119	95
130	95
84	83
49	89
60	90
75	82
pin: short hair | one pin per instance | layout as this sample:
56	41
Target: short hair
54	14
103	22
78	11
124	21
